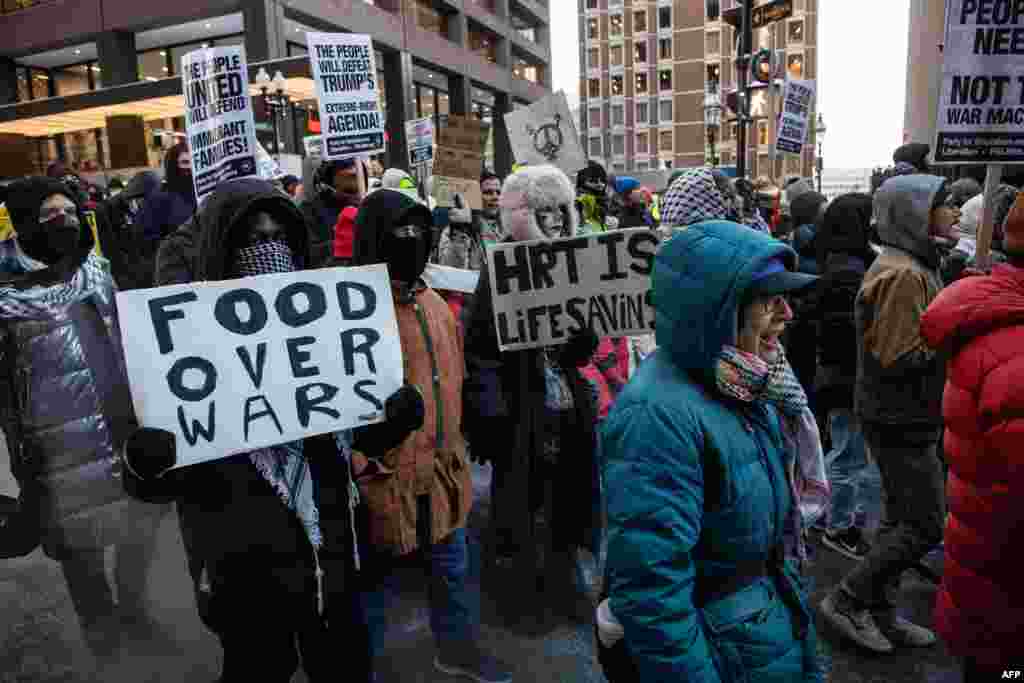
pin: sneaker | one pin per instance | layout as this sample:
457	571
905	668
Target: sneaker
849	542
903	632
855	623
469	661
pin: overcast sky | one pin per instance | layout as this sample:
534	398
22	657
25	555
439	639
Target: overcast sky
863	64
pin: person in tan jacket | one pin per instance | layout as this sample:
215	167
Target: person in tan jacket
412	470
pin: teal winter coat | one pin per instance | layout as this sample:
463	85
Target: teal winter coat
696	486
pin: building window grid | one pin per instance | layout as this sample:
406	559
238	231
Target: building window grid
615	25
618	114
640	52
664	48
618	85
665	80
640	21
664	18
642	113
641	84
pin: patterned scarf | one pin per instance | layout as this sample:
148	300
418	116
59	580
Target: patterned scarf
749	378
37	303
272	256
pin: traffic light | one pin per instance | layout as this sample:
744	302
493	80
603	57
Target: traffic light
762	66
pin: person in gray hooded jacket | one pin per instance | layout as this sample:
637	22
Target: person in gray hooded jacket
898	398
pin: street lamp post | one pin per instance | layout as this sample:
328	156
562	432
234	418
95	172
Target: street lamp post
712	121
820	133
276	103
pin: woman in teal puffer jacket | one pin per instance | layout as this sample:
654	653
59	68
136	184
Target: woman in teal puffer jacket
696	453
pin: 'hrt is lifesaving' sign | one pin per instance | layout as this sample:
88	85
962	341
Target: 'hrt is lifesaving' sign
544	291
218	116
345	70
981	101
232	366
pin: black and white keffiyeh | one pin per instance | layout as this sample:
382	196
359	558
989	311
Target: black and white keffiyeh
694	197
272	256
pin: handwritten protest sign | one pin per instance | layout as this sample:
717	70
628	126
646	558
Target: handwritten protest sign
545	133
451	279
544	291
794	121
218	116
981	99
232	366
345	71
458	161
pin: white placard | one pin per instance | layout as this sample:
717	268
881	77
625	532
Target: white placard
233	366
218	116
544	291
451	279
981	100
795	118
345	71
545	133
419	136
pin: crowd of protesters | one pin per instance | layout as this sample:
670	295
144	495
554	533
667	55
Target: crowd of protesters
665	488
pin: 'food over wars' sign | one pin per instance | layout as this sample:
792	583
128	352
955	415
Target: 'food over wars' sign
544	291
981	101
795	119
233	366
218	116
345	71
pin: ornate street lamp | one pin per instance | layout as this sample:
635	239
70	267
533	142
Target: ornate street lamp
275	100
820	133
713	121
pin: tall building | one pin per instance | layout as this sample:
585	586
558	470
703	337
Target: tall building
96	83
646	67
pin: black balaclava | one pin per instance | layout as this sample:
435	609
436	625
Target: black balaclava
261	252
376	242
406	254
178	181
46	241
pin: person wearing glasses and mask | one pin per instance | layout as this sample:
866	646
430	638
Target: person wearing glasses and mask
532	414
66	410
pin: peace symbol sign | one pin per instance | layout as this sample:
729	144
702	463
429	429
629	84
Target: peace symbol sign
548	139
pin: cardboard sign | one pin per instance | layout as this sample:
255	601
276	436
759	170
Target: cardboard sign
544	291
345	71
981	99
218	116
795	118
233	366
458	163
419	135
545	133
445	189
451	279
314	146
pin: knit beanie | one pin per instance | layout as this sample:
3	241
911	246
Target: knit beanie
804	209
345	232
1014	226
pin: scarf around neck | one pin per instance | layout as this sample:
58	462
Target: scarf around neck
92	279
749	379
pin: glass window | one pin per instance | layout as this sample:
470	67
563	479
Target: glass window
618	168
665	111
664	80
594	57
97	76
615	55
295	50
664	17
665	48
40	83
665	138
24	91
527	71
762	132
618	115
617	87
795	66
595	146
615	25
594	87
153	65
640	51
641	143
428	18
618	145
714	9
713	73
595	117
592	28
642	165
591	4
641	112
443	104
714	43
640	21
641	84
484	43
796	31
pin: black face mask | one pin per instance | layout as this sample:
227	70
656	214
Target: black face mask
51	241
406	255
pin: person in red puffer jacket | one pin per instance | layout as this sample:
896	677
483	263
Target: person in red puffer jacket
980	322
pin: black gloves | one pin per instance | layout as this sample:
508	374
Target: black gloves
149	453
577	351
404	413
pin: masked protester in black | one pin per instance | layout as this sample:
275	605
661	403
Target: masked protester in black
66	410
174	204
132	258
252	558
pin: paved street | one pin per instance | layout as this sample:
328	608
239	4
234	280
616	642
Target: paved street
40	639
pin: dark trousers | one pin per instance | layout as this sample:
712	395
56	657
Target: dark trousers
913	487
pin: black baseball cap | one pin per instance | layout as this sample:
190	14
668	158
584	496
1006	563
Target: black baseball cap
773	278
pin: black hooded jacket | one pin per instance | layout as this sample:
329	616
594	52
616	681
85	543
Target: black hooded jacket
233	523
132	258
172	205
388	208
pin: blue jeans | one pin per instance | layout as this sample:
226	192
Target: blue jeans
846	463
453	608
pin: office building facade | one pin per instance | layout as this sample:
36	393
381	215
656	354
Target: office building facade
80	80
646	68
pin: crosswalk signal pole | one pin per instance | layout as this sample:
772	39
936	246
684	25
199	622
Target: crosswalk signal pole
743	64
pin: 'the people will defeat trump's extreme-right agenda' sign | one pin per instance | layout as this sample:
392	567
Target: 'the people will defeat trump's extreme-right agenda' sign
218	116
233	366
981	100
544	291
345	70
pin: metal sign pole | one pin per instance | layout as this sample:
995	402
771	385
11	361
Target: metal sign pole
993	174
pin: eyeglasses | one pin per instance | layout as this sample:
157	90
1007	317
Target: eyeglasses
408	231
490	192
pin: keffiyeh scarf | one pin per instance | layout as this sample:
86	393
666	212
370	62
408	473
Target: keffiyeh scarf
92	279
749	378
